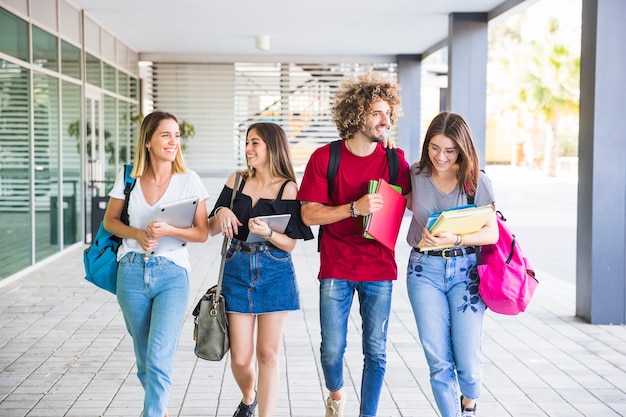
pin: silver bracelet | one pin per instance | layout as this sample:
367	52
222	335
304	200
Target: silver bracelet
216	210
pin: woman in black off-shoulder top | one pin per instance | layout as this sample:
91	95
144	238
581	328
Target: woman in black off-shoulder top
259	283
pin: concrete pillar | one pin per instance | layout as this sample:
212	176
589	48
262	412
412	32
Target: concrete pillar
467	73
601	237
409	77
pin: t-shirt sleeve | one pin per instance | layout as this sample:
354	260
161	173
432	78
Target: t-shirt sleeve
314	186
118	187
484	195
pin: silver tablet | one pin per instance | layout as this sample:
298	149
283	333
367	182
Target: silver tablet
178	214
277	222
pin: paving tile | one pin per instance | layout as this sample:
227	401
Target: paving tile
64	349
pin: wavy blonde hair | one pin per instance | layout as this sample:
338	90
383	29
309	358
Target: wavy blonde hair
355	97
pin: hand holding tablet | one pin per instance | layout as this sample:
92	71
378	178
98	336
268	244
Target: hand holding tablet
277	222
179	214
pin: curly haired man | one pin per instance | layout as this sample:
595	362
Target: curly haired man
365	108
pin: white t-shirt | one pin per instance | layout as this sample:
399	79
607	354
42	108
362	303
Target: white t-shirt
140	213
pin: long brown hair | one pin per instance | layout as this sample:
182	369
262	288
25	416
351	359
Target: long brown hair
149	125
453	126
279	157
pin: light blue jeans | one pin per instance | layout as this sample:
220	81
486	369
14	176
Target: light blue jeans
153	296
449	316
375	303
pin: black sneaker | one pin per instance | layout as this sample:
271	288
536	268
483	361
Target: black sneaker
244	410
467	412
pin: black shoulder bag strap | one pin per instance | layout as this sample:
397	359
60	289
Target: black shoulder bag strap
218	289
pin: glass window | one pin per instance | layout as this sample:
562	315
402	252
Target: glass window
71	152
14	167
46	169
109	77
134	88
45	51
70	60
14	37
135	122
93	71
124	127
123	83
110	137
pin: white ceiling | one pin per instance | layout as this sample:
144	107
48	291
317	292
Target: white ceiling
210	30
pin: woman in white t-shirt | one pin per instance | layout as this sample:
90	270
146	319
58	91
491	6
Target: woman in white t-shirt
153	290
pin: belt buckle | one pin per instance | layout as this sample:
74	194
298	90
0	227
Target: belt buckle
443	254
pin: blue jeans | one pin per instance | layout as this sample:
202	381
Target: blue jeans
375	303
449	316
153	296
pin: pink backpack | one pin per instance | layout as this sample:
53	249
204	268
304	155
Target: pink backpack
507	281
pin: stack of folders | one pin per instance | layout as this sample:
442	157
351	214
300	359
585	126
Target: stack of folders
384	225
459	220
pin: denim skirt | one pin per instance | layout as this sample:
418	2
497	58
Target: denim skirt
259	278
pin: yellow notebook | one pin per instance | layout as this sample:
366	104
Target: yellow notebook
460	222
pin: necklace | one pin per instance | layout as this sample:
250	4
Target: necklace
164	183
447	187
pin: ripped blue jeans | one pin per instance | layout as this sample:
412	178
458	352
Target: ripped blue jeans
336	297
449	316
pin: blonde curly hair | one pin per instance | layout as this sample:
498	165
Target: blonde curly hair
355	97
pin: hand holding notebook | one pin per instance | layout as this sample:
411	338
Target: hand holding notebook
457	220
384	225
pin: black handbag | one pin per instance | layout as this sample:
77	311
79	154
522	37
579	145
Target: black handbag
210	322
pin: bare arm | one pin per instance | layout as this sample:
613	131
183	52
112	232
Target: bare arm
320	214
219	222
113	224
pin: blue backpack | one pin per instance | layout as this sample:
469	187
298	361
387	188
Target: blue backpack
100	258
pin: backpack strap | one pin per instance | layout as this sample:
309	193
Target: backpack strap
129	184
333	164
392	161
333	169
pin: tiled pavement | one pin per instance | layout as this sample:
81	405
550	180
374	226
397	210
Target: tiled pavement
64	350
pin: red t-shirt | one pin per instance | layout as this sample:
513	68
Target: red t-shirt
344	252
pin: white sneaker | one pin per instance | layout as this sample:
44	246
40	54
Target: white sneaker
335	408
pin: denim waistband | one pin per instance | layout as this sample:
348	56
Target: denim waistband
448	253
251	247
145	257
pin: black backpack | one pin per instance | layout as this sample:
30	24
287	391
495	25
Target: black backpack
333	168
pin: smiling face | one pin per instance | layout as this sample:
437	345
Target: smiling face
256	150
378	121
165	142
442	152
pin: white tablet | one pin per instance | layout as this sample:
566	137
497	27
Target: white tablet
178	214
277	222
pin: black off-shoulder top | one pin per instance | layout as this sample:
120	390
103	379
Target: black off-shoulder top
243	209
